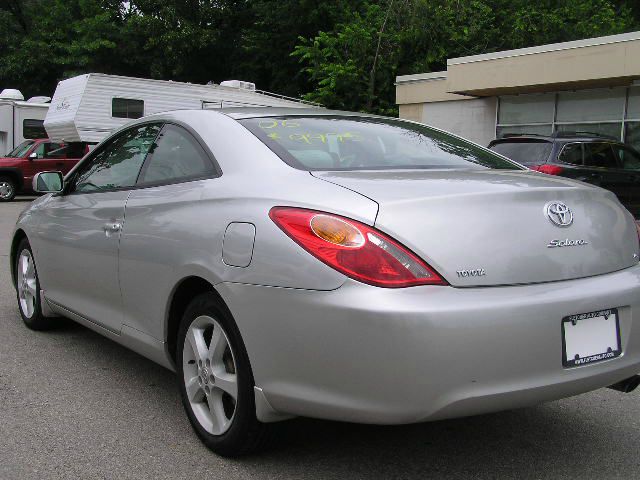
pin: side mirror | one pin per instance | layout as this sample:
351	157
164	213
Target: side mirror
33	155
48	182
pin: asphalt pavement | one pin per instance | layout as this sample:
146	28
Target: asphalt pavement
76	405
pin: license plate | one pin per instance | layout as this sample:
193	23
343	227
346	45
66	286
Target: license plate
590	338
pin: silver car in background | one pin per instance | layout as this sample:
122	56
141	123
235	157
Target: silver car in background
333	265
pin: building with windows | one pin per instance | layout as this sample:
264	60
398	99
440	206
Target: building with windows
588	85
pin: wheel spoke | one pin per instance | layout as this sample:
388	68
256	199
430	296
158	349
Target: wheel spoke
30	273
194	392
227	382
24	264
31	286
196	340
216	408
217	346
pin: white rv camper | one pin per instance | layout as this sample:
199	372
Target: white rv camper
20	120
88	107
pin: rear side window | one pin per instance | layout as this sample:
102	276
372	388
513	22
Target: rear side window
75	150
49	150
629	158
599	155
571	153
176	157
368	143
33	129
127	108
524	152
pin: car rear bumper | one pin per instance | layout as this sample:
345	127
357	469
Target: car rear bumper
393	356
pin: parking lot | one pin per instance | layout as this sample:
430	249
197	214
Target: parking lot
76	405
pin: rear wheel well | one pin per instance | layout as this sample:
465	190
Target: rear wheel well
17	238
187	290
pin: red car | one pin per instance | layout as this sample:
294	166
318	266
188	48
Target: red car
19	167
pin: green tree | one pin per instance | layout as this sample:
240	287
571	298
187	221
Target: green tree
354	65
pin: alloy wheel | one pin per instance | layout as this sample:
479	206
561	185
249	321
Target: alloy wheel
27	284
6	190
210	378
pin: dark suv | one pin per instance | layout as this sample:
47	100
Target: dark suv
592	158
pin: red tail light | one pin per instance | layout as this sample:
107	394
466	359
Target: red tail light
354	249
548	169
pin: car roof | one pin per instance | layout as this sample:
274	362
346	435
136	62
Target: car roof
559	137
239	113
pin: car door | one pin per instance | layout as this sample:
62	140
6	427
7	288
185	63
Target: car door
158	236
629	161
61	154
39	160
601	164
79	230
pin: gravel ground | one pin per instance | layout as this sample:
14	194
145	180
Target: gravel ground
76	405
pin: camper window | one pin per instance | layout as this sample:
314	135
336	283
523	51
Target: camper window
33	128
127	108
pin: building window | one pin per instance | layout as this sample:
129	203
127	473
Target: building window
127	108
591	106
612	112
531	114
33	129
632	122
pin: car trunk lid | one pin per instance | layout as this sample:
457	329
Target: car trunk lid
490	227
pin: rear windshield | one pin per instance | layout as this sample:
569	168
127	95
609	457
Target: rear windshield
362	143
21	149
526	153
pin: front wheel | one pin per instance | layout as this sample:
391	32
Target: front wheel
28	289
7	189
215	380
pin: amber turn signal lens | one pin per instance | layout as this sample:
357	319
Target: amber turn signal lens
336	231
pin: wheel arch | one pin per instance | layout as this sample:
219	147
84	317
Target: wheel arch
184	291
15	174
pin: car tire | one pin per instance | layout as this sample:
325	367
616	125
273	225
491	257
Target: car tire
8	189
28	289
212	366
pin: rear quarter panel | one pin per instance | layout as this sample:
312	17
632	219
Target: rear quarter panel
176	231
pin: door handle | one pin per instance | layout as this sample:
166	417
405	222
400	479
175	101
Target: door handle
112	227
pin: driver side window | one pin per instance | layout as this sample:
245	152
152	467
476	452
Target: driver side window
118	163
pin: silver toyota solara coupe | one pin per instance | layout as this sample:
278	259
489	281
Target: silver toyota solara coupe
333	265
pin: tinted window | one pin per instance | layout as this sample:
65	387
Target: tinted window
21	150
75	150
571	153
127	108
629	158
599	155
49	150
117	164
33	129
176	156
524	152
362	143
